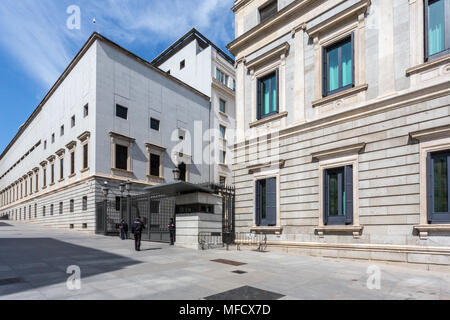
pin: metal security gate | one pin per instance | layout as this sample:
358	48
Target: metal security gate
155	211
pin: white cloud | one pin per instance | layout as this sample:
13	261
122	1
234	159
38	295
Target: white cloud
35	32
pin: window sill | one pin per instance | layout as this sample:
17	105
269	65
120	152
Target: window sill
428	65
61	180
84	170
355	230
424	229
268	119
223	114
340	95
272	230
223	165
150	177
121	172
72	175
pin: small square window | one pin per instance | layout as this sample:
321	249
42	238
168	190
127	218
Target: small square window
154	124
86	110
182	64
72	121
121	112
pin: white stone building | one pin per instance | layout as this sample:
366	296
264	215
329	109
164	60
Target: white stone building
196	61
113	117
343	144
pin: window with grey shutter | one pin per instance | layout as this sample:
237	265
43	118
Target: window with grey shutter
266	202
338	196
438	191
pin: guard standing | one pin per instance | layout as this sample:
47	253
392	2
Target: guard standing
136	229
172	231
123	226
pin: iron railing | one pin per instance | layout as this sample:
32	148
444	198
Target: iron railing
258	240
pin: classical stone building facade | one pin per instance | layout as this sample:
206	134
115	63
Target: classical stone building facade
195	60
111	117
342	112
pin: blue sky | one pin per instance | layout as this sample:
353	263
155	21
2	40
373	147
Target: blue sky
36	45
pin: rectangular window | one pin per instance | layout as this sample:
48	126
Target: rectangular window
43	211
437	28
53	138
45	145
85	199
338	66
45	177
154	124
268	11
222	77
234	85
72	206
222	105
182	64
35	210
61	205
62	131
121	157
338	196
223	181
72	163
52	173
86	110
51	210
85	156
268	95
438	198
223	156
61	169
72	122
223	131
121	112
266	202
155	161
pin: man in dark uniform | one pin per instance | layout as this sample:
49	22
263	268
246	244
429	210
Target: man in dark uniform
123	226
172	231
136	229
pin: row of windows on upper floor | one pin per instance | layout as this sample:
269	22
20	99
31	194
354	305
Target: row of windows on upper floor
338	192
437	27
25	187
338	62
19	214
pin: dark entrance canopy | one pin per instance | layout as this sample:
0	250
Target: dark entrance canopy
176	188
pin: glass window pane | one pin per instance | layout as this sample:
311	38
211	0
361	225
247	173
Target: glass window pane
347	66
266	95
440	184
436	27
333	59
333	194
264	200
274	94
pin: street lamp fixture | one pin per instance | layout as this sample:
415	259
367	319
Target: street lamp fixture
128	186
105	190
176	174
122	188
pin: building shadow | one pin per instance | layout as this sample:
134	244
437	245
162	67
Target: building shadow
31	263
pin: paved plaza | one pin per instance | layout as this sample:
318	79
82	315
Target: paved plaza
34	262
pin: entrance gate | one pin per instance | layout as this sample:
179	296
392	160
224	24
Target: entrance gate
154	210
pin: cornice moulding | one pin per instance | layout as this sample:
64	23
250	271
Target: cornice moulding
356	9
85	135
155	147
352	149
121	137
271	54
432	133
